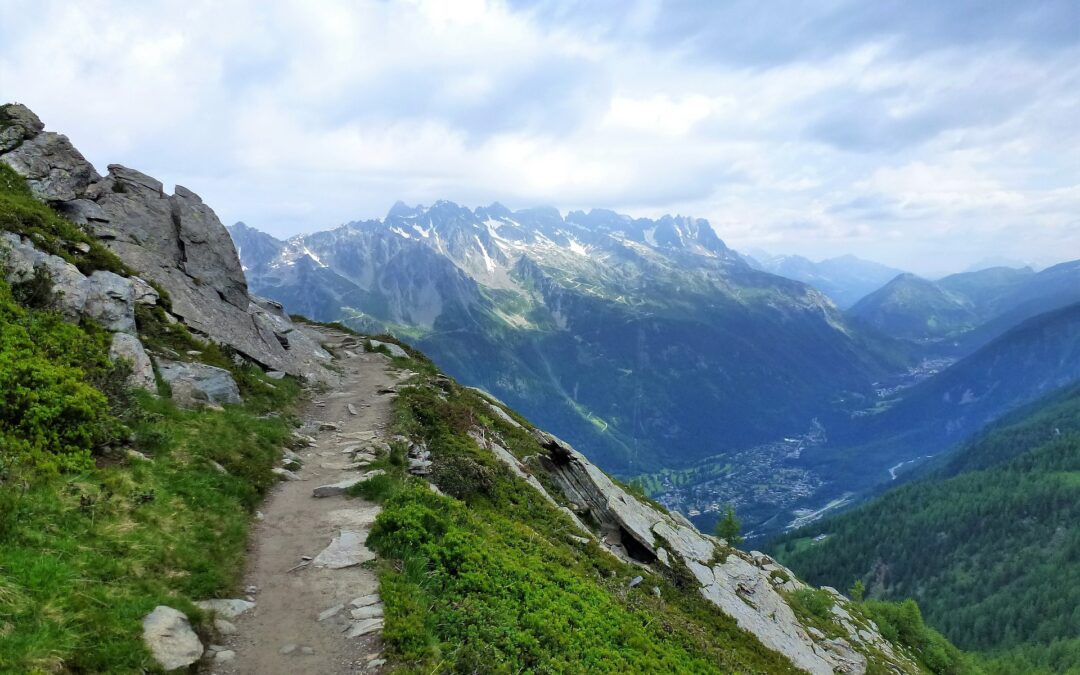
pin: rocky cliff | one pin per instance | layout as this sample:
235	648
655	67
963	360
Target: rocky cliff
175	241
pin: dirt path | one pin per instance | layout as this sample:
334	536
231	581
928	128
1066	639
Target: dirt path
283	633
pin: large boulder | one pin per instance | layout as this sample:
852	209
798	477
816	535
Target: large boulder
128	347
195	383
17	123
105	297
170	639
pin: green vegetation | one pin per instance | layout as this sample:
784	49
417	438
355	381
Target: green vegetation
485	576
729	528
988	543
22	214
93	535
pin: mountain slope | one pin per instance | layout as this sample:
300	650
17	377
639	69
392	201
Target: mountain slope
988	543
914	308
637	337
845	279
1026	363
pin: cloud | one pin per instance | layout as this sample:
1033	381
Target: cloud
921	135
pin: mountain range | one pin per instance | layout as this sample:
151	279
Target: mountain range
648	341
845	279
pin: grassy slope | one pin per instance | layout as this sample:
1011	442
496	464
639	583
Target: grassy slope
488	575
988	544
89	544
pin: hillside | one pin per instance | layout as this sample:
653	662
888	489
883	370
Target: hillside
637	338
988	542
143	423
959	313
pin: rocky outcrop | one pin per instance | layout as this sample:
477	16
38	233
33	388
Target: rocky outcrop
170	639
750	587
198	383
174	240
128	347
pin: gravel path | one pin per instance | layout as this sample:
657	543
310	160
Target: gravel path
286	577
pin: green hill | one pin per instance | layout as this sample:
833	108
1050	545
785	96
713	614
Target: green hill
988	542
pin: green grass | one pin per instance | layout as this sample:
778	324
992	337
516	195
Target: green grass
84	557
484	577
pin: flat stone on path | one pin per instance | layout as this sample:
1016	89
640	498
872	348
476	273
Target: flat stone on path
335	489
364	627
346	549
365	600
225	608
328	613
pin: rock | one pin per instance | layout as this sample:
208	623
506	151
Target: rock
194	383
227	608
136	455
54	169
302	441
375	663
170	639
82	212
276	374
307	651
224	656
328	426
285	474
225	627
635	581
366	600
346	549
128	347
329	613
364	627
352	409
110	300
287	649
17	123
368	612
335	489
395	350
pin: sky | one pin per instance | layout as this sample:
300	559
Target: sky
925	135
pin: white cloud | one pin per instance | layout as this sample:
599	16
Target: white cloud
293	117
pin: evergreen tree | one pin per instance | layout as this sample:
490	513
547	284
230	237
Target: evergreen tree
729	527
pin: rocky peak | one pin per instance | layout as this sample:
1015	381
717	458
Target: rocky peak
174	240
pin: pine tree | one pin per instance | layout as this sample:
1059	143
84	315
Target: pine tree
729	527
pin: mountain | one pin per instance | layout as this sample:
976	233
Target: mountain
845	279
139	454
637	338
1039	356
914	308
964	311
988	542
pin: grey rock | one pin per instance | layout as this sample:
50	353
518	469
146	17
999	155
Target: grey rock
366	600
225	627
368	612
276	375
110	300
395	350
352	409
54	169
82	212
144	292
17	123
307	651
635	581
285	474
364	627
287	649
228	608
331	612
375	663
194	383
128	347
335	489
224	656
170	639
345	550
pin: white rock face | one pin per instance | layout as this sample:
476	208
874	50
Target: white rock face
740	584
170	639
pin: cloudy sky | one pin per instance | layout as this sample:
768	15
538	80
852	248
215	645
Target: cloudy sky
927	135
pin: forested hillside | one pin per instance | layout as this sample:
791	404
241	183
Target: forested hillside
988	542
